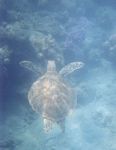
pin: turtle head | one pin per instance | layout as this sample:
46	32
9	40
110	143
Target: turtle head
51	66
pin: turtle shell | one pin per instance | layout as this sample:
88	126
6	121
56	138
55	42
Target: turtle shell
51	97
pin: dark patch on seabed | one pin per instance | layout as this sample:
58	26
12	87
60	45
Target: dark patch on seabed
36	31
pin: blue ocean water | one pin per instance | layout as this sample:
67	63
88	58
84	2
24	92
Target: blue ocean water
64	31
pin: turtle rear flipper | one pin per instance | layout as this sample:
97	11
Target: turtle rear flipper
47	125
30	66
70	68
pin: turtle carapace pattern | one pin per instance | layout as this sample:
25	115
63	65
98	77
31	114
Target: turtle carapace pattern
52	97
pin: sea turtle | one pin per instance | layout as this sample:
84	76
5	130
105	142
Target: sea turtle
51	96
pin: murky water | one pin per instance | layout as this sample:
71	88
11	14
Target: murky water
64	31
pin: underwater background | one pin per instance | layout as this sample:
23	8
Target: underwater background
66	31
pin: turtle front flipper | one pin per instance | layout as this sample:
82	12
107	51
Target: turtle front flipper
30	66
70	68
